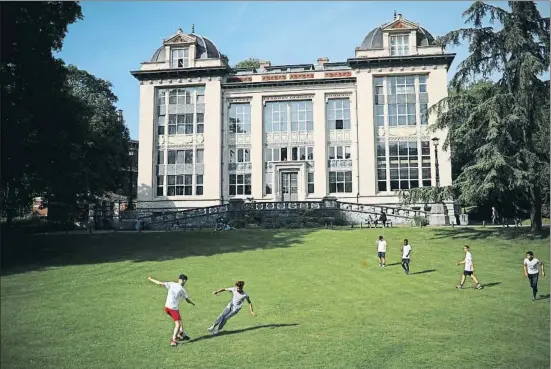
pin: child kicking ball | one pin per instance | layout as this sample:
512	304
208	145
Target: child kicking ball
176	293
233	307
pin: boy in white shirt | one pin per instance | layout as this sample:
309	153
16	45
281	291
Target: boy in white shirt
406	253
531	271
469	269
176	293
381	251
233	307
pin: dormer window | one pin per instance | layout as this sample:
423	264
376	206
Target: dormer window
399	45
180	58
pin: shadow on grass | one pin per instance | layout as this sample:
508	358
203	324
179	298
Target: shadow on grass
544	297
491	284
424	271
225	333
480	233
394	264
36	252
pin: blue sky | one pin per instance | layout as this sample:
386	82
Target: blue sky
115	37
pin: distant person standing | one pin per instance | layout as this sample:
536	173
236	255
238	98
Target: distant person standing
381	251
406	256
531	271
494	215
468	270
382	218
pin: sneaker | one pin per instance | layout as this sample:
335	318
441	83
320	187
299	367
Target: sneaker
479	287
459	287
214	332
210	329
533	299
173	343
383	265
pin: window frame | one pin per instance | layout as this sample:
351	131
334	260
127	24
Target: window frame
401	46
338	109
347	184
184	58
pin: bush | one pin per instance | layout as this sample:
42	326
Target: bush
420	221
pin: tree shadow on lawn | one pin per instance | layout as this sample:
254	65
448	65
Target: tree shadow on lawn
36	252
480	233
225	333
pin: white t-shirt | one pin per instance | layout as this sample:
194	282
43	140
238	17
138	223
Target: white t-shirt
238	298
468	262
532	265
406	249
175	294
381	246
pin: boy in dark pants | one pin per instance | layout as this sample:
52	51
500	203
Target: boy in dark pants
406	252
531	271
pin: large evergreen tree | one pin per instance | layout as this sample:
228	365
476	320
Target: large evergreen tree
498	109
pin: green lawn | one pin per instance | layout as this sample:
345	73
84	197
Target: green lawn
83	301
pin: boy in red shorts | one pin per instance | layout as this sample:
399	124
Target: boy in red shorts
176	293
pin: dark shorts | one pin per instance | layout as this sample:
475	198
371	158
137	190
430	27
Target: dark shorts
405	261
466	272
381	254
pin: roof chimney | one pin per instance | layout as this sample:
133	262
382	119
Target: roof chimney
265	64
323	60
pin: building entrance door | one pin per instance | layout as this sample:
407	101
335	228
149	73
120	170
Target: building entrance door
289	186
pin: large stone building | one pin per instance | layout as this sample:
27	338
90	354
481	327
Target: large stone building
355	129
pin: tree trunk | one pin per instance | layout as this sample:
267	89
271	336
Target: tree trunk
535	210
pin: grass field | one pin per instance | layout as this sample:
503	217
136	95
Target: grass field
83	301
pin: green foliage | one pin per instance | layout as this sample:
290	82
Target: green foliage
499	131
420	221
427	195
40	121
249	63
60	135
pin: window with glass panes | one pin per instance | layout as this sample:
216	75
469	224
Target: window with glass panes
381	166
338	114
426	164
240	155
401	101
240	184
240	118
289	116
179	172
310	182
340	182
180	111
339	152
180	57
401	94
399	44
404	165
379	104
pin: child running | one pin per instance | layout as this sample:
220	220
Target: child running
176	293
233	307
531	271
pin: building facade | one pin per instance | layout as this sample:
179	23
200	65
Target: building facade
357	129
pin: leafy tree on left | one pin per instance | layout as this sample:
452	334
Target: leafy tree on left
48	129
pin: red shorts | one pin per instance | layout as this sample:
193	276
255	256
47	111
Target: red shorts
174	314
